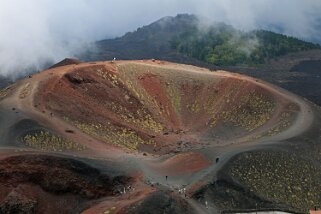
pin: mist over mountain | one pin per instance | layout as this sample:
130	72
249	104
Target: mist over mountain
185	38
151	41
34	33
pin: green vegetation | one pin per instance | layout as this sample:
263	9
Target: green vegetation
223	45
46	141
279	177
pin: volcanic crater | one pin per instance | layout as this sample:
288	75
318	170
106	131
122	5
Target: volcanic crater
157	108
151	136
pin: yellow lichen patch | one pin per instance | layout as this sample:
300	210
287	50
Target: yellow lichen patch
279	177
250	111
108	76
174	95
110	210
194	107
218	100
102	73
109	133
114	79
284	123
140	118
149	123
130	74
254	111
3	93
133	88
25	91
46	141
210	105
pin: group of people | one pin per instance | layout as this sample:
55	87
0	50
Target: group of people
126	189
182	191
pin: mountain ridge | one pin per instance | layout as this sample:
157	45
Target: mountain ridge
137	45
156	39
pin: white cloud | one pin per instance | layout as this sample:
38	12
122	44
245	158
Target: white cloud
33	31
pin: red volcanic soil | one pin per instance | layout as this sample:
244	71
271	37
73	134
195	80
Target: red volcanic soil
155	88
101	137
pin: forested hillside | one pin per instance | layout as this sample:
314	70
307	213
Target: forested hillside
185	39
224	46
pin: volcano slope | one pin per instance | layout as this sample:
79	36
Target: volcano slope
155	137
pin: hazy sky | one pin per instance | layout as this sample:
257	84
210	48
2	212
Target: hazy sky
33	31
